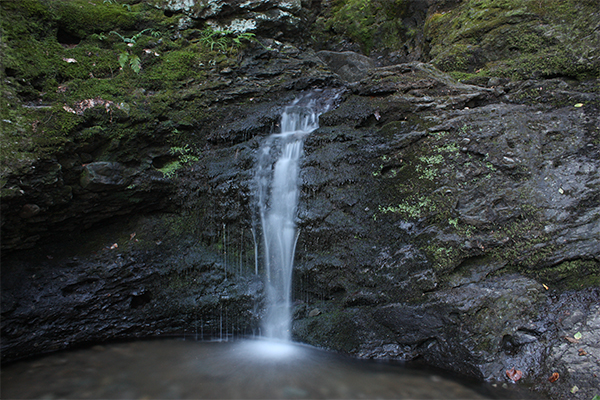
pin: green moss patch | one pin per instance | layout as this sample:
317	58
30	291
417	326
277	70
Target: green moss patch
61	56
517	38
576	274
370	23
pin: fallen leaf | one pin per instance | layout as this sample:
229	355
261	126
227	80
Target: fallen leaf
114	246
570	339
132	236
578	105
582	352
577	336
514	374
574	389
554	377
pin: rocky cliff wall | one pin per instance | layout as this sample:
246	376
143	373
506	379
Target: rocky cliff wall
440	221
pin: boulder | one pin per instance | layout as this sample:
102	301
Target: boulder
349	65
104	176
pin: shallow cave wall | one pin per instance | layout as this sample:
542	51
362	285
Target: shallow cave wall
126	191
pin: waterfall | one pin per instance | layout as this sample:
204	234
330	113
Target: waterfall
278	189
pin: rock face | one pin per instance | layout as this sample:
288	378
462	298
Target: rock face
348	65
448	191
452	223
268	16
103	175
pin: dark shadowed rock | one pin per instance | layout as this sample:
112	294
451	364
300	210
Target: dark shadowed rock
348	65
103	175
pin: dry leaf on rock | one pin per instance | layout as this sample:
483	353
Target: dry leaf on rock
514	374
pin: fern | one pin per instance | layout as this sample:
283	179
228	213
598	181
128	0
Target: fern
99	36
135	37
138	35
126	57
222	39
123	58
135	64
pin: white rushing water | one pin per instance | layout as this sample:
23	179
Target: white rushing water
278	189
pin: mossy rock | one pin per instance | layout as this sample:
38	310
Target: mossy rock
570	275
60	54
372	24
516	38
333	329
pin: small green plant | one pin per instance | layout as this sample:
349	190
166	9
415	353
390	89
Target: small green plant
184	155
224	39
127	6
432	160
415	210
247	36
213	38
128	57
99	36
427	173
448	148
133	60
135	38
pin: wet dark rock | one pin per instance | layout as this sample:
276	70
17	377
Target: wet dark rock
53	300
348	65
29	210
476	227
103	175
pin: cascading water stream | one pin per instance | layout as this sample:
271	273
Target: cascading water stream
278	191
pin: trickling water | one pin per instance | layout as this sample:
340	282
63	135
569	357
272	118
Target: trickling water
278	191
255	250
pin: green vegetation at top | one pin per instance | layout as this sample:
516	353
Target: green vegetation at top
517	38
127	56
369	23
